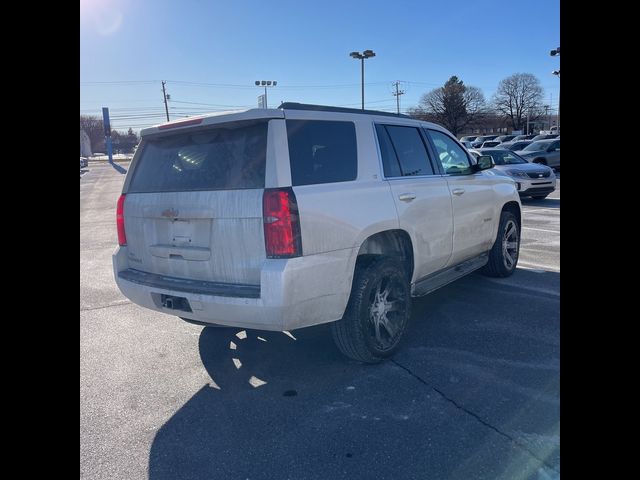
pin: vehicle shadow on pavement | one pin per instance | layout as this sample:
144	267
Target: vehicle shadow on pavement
475	363
547	202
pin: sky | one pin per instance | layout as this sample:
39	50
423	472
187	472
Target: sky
211	52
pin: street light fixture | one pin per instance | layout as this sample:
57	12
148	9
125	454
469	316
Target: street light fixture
362	57
265	84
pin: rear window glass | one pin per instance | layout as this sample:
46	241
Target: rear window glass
322	151
226	157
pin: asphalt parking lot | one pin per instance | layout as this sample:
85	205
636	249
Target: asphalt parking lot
473	394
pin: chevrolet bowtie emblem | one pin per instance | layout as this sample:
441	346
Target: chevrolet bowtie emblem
170	213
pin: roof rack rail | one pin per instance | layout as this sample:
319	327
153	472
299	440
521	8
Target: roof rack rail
326	108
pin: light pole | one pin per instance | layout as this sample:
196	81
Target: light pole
265	84
553	53
557	72
362	57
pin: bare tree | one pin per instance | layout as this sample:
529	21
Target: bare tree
517	95
454	105
94	128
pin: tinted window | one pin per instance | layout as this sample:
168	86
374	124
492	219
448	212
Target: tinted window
219	158
389	159
518	145
504	157
453	158
410	150
322	152
539	145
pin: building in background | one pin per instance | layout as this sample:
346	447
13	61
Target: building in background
85	144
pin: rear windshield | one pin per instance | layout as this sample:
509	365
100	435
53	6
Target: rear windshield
226	157
539	145
504	157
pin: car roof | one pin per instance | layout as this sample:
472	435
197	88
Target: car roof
298	110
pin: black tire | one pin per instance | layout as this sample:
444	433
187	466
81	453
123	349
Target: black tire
355	334
539	197
499	264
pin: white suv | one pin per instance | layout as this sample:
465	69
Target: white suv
278	219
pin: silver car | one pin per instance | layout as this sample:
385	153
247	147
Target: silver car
546	152
279	219
532	180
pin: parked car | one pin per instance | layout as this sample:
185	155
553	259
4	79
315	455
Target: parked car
468	138
505	138
490	143
546	152
466	144
532	180
84	163
480	140
545	136
278	219
524	137
515	145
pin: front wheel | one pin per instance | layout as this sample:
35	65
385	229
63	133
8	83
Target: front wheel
503	256
377	314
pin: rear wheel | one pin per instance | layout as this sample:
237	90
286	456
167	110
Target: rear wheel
377	314
503	256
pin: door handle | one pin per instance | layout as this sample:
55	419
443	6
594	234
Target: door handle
407	197
458	191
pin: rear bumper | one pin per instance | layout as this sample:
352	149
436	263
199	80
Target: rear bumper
293	293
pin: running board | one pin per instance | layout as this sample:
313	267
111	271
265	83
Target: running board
439	279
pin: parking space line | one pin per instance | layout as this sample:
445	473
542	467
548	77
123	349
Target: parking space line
538	209
547	268
541	230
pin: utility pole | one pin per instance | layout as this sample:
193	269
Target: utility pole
550	108
164	96
397	95
546	113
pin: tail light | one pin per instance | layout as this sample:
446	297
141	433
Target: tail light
122	237
281	223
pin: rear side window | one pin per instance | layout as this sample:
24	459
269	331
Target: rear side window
226	157
389	158
322	151
408	149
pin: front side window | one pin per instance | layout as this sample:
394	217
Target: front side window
408	151
322	151
453	158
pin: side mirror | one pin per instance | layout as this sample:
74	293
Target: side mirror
485	162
